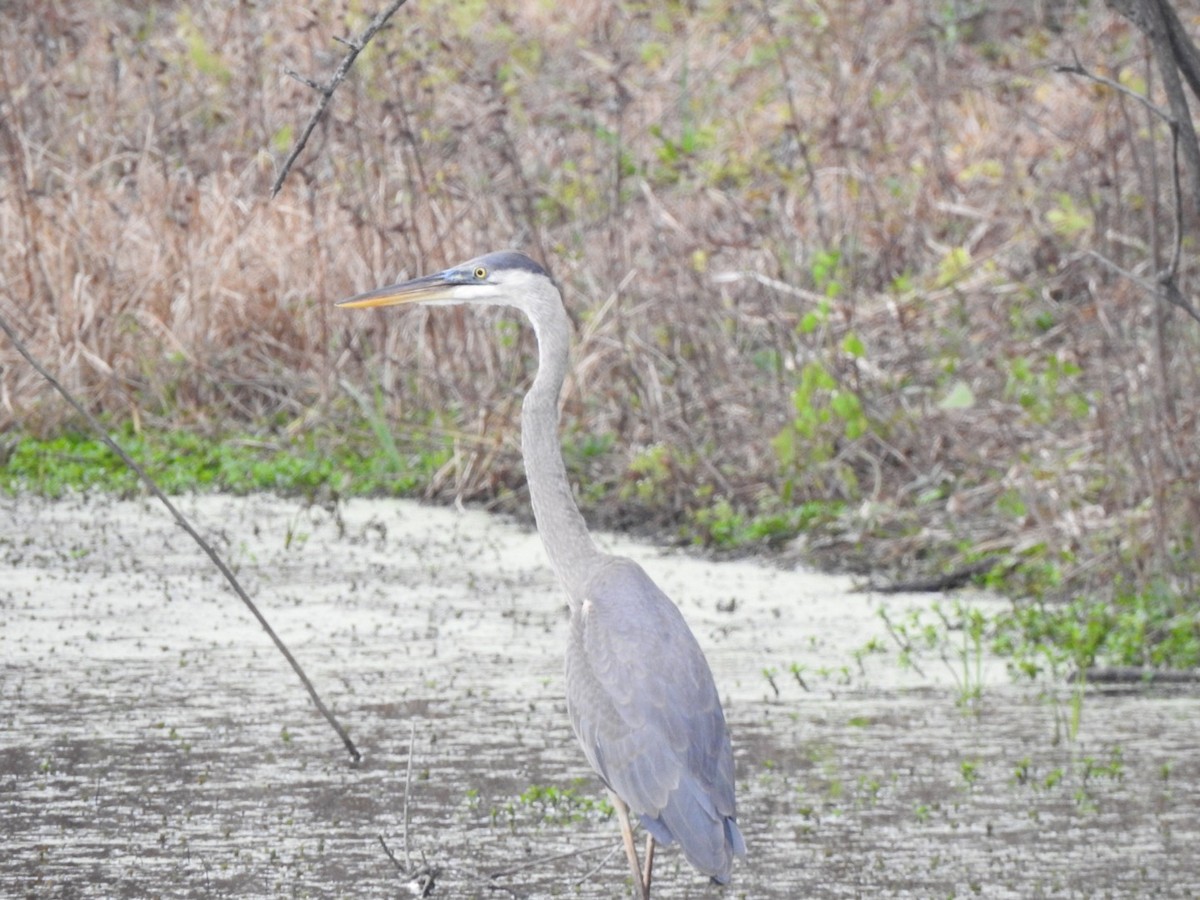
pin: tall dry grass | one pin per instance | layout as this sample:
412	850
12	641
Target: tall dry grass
702	179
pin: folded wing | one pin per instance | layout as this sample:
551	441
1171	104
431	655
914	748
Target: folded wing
645	708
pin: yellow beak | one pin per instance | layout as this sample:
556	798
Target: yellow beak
430	287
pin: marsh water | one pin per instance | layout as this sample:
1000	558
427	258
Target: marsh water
154	743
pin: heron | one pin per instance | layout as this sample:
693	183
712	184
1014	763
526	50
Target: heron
640	693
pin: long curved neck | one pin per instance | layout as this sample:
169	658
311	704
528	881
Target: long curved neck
563	531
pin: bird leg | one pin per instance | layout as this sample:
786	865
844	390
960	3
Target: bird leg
640	887
649	870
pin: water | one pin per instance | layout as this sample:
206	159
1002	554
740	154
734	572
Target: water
153	742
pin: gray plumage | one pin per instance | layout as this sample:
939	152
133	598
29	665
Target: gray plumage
639	691
645	709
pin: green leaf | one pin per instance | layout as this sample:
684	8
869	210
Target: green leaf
1068	220
281	140
953	266
960	396
852	345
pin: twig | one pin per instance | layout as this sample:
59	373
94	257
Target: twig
781	57
1177	249
1165	285
1172	293
424	876
566	854
600	865
412	739
326	90
903	643
1174	296
1135	675
1157	31
1082	72
186	526
937	583
774	284
390	855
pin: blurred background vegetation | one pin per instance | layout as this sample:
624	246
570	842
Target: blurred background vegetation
844	276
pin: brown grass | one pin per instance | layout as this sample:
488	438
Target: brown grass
684	181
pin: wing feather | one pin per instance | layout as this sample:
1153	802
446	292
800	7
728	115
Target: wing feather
645	708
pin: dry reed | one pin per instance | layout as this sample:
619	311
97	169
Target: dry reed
701	179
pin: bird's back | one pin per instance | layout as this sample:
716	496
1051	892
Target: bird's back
645	708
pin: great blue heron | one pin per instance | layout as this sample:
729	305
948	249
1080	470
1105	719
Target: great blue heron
639	690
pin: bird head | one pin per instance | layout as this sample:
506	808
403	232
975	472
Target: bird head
506	278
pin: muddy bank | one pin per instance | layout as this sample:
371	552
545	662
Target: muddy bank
153	742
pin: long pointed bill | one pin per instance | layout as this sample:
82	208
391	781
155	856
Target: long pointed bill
432	287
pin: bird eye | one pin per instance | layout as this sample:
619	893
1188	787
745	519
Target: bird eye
480	273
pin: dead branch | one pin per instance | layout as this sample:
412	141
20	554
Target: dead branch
1165	285
938	583
1079	69
423	878
326	90
183	523
554	857
412	740
1175	53
1137	675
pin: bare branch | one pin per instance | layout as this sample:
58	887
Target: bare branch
183	523
1177	244
326	90
292	73
1174	296
412	741
1078	69
1160	40
1187	55
1164	286
793	125
1175	52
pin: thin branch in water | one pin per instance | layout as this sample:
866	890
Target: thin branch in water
423	878
614	846
412	740
326	90
906	648
183	523
390	855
